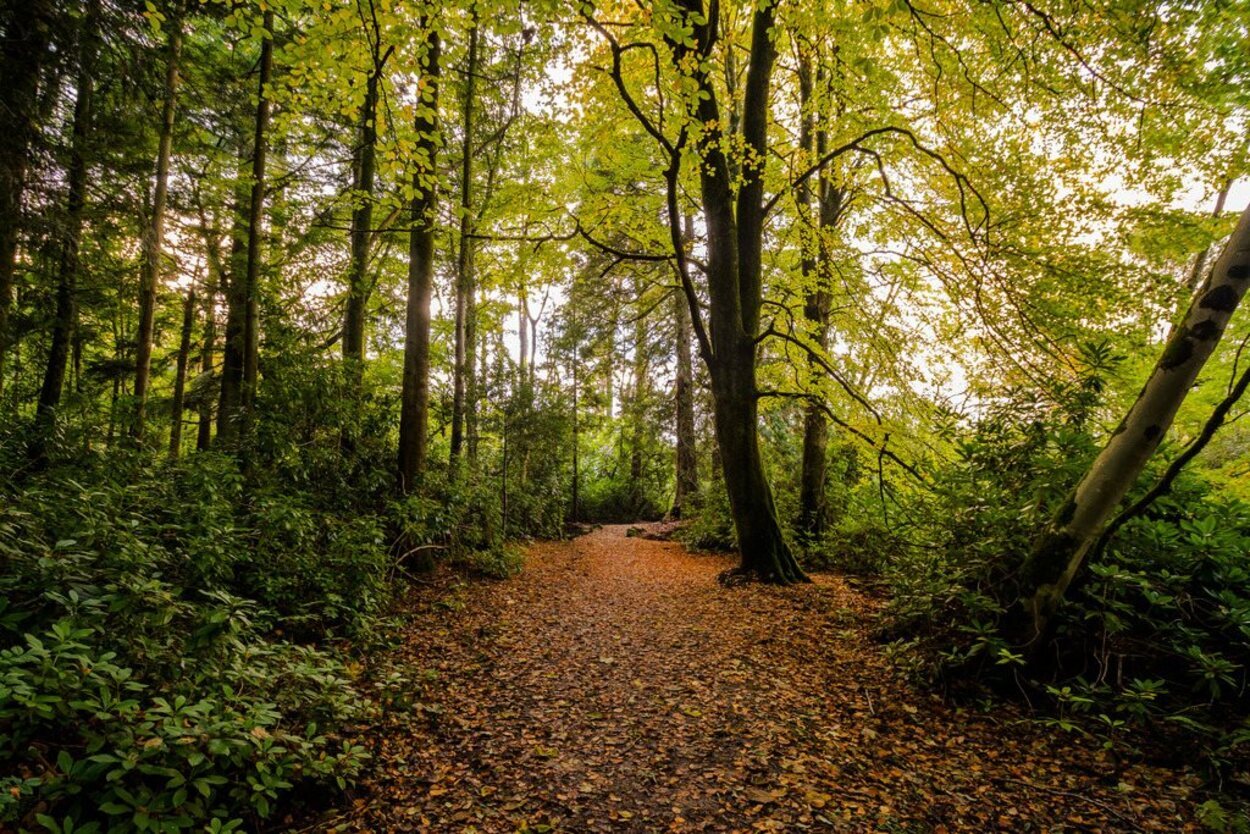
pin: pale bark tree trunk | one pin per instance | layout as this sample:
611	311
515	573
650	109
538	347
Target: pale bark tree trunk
180	375
464	256
25	47
1060	550
66	316
414	414
523	331
154	234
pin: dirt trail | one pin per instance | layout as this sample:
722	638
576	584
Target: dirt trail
614	686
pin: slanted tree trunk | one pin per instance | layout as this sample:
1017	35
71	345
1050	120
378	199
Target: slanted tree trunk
363	175
25	46
734	248
180	375
464	256
66	317
154	234
1060	549
240	363
414	414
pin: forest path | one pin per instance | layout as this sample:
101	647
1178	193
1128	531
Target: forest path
615	686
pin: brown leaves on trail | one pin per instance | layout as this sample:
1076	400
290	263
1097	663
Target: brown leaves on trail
614	686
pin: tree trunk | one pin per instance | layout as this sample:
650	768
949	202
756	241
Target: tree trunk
414	414
765	554
636	412
25	45
241	361
204	428
1061	548
230	395
687	458
523	331
734	249
66	317
255	230
813	510
180	375
464	255
575	507
472	382
363	174
154	234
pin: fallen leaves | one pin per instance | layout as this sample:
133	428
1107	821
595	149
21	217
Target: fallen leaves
614	686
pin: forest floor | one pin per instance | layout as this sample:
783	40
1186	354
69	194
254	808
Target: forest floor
615	686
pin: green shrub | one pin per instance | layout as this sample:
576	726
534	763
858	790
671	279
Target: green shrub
138	690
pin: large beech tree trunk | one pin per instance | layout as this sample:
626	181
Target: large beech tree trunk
154	234
1060	550
414	405
734	248
25	45
66	316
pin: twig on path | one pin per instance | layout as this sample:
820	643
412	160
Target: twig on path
1047	789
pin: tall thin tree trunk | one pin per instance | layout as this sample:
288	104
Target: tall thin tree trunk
523	335
687	458
363	174
180	374
66	317
575	508
25	45
414	413
1060	549
255	232
208	347
241	358
464	255
154	234
233	287
638	399
813	510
